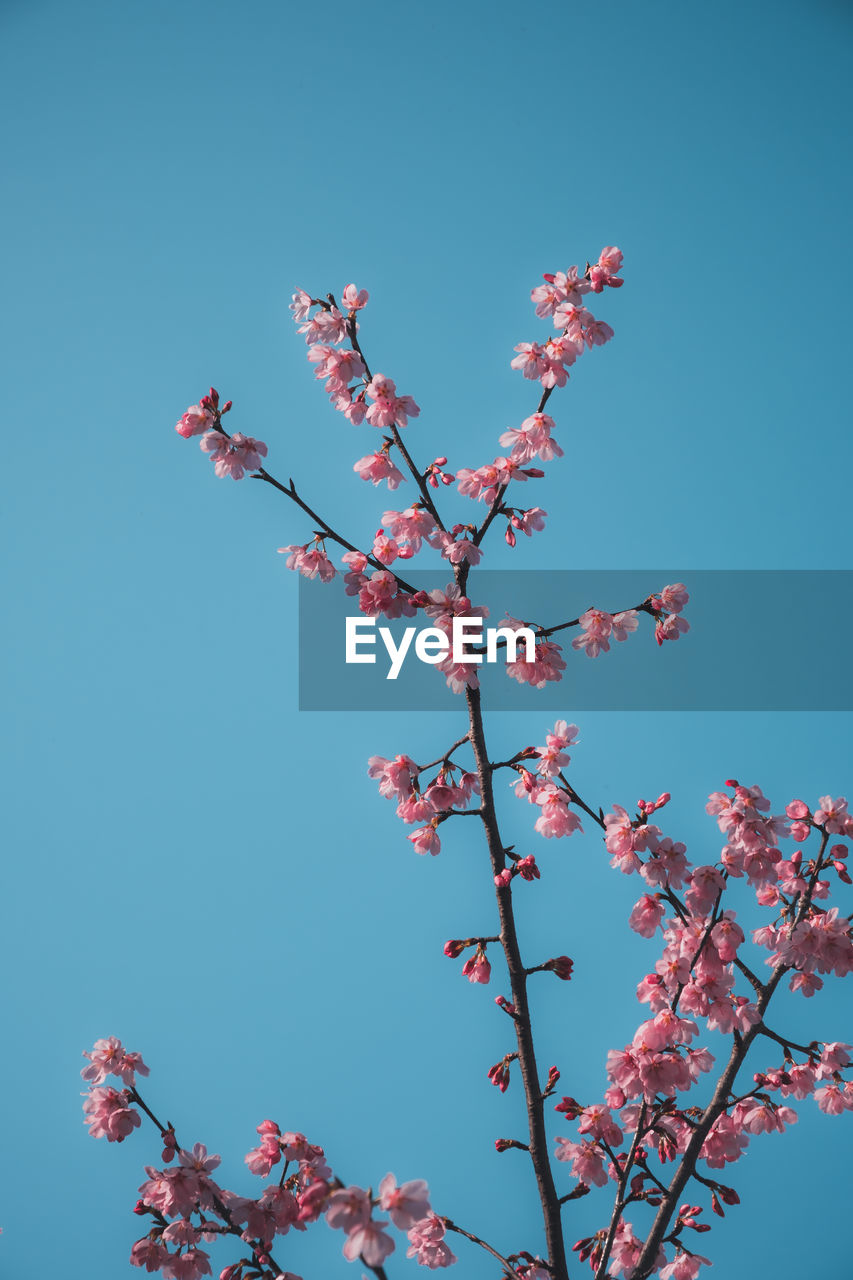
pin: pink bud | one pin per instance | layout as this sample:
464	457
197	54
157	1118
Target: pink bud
509	536
214	396
454	948
227	405
440	462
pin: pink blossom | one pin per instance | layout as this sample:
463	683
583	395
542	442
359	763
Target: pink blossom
354	299
552	757
407	1204
646	915
596	627
410	526
626	1251
370	1241
556	818
384	549
381	593
570	284
354	409
530	360
477	968
378	467
425	840
426	1243
623	1070
586	1160
198	1159
548	664
148	1253
674	597
705	883
532	439
832	814
189	1265
756	1115
458	549
395	776
670	627
725	1143
835	1057
388	408
301	305
599	1123
834	1098
348	1208
235	456
338	367
727	936
326	325
197	419
684	1266
110	1058
108	1114
667	865
181	1232
310	561
530	521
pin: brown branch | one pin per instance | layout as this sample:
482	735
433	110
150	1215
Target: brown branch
538	1145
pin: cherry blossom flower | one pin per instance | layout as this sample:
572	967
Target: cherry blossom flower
310	561
235	456
426	840
354	299
378	467
369	1241
110	1058
196	421
407	1204
477	968
388	408
108	1114
426	1243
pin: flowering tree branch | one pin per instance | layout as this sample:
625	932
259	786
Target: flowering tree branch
643	1111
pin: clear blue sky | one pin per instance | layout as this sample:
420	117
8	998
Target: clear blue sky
193	865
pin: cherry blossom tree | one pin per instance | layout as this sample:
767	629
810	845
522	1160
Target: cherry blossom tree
656	1145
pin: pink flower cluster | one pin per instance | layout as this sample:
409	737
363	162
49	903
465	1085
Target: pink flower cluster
311	561
433	803
343	369
188	1207
231	455
694	979
598	627
561	299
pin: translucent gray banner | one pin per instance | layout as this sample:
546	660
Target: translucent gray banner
765	640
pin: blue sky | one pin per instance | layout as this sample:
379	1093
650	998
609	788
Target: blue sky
192	864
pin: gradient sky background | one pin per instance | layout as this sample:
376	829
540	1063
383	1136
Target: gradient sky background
194	866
